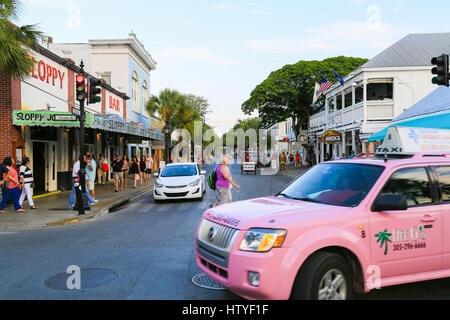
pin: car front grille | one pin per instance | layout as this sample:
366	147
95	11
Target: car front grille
176	195
176	187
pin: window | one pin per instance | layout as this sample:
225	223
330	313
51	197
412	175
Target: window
135	92
444	183
334	184
145	98
411	182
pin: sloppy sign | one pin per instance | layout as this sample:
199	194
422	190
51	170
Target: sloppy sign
332	137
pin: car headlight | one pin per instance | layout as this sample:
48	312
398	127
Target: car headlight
196	182
158	185
262	240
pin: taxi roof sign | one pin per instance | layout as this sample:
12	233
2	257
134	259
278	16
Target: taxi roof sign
407	140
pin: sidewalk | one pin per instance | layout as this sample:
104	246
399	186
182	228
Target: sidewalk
54	211
292	173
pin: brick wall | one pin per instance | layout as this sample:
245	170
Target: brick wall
10	99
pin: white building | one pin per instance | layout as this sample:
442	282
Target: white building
377	92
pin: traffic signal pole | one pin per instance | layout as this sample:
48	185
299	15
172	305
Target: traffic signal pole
81	188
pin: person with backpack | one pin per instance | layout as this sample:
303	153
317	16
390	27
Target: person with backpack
224	182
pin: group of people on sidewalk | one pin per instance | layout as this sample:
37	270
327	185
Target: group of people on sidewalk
12	182
290	160
121	168
141	170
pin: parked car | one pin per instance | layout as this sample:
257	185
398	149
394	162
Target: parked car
342	227
180	181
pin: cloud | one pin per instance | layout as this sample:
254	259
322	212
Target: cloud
339	36
250	8
194	53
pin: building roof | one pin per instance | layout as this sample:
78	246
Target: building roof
436	102
412	50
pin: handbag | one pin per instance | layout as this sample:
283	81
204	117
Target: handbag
5	185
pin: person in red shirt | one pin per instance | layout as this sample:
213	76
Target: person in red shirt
12	189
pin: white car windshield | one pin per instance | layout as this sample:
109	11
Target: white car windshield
179	171
339	184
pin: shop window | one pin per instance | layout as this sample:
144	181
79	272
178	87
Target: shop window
359	94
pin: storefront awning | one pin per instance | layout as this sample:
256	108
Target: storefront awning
441	121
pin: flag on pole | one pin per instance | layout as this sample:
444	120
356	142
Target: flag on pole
341	80
316	93
324	86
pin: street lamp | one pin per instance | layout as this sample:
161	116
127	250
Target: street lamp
167	130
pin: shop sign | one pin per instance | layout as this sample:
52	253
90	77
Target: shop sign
45	118
332	137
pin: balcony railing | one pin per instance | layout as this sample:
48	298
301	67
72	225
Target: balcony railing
380	110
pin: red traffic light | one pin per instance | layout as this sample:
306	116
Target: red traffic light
79	79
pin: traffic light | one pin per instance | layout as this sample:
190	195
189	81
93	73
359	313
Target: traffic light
80	88
94	90
441	70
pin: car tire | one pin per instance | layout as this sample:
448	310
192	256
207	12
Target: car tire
327	273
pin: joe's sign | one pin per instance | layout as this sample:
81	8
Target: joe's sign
332	137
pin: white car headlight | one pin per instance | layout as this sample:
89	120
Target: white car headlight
158	185
262	240
195	183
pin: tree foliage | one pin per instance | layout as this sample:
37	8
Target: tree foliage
14	58
288	91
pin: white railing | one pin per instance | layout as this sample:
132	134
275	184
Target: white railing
380	110
317	120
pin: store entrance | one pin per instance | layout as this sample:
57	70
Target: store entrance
39	167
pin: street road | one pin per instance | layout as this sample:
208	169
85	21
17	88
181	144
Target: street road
148	246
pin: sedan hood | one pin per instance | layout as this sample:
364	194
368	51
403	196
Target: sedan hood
177	181
268	212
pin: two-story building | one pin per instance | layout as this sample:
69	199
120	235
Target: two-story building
376	93
126	65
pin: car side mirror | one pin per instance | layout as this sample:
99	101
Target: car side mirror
156	174
390	202
202	172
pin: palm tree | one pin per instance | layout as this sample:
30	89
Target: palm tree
14	59
168	105
383	238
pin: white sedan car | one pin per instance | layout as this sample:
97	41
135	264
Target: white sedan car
180	181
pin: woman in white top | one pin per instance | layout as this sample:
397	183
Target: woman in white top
149	162
26	178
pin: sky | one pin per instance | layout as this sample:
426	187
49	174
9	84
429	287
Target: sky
222	49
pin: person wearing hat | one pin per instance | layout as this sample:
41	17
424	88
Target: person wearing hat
224	182
117	166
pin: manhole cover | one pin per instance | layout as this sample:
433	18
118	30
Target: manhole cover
89	278
203	281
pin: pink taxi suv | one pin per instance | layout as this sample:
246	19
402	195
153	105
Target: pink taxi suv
341	227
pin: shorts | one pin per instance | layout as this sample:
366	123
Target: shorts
90	185
224	195
148	171
118	175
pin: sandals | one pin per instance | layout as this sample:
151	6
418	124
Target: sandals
20	211
34	207
3	212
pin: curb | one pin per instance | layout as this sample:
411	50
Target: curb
101	212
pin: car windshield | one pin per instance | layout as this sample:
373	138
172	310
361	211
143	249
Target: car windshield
179	171
338	184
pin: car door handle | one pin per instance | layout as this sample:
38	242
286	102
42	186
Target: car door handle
428	218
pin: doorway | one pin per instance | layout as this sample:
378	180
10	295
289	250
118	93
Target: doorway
39	167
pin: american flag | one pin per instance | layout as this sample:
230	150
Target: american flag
324	86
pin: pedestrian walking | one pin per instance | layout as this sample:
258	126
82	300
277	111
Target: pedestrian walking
102	169
134	170
149	163
117	166
224	182
3	174
297	159
91	170
11	187
291	160
125	169
75	174
27	181
283	161
142	170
